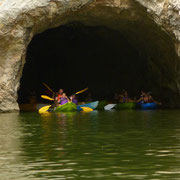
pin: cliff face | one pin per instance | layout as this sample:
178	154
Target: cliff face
154	21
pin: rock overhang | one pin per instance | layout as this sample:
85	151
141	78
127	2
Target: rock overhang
21	20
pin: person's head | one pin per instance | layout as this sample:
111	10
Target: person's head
63	94
73	96
60	91
142	93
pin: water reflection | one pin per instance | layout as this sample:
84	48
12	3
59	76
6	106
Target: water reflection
10	146
104	145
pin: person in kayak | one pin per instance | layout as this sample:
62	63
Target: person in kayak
59	95
125	97
73	99
63	99
145	98
118	97
142	93
121	97
150	98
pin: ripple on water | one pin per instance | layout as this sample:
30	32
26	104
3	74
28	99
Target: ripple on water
116	145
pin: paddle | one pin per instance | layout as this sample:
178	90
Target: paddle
81	91
47	97
44	109
48	87
86	109
109	106
51	99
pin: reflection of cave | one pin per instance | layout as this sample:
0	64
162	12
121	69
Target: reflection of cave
75	56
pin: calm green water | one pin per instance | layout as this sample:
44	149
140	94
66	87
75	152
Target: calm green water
96	145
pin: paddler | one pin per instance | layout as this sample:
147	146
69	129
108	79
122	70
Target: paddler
63	99
125	97
73	99
59	95
145	98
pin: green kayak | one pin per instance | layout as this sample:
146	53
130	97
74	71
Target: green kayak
68	107
127	105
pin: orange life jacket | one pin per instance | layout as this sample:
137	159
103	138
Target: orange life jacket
59	97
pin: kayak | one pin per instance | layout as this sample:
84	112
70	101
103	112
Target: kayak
146	106
127	105
92	105
109	107
68	107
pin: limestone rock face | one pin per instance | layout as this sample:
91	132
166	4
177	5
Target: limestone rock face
167	14
20	20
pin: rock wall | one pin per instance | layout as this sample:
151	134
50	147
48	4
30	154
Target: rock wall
20	20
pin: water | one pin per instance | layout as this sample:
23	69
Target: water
96	145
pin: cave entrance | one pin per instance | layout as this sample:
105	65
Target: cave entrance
75	56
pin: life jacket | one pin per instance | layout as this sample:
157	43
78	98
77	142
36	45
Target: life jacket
125	99
59	98
63	100
147	99
75	101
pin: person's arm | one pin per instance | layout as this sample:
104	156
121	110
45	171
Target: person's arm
140	99
70	99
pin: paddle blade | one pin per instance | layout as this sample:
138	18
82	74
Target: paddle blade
44	109
47	97
82	91
86	109
48	87
109	106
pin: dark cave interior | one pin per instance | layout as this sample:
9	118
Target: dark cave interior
75	56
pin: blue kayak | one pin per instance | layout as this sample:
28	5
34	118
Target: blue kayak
92	105
152	105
